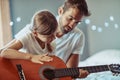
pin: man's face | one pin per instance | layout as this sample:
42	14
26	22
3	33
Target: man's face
69	19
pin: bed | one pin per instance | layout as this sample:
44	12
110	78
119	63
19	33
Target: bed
105	57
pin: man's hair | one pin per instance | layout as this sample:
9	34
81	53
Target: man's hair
81	5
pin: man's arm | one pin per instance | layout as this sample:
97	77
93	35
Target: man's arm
73	60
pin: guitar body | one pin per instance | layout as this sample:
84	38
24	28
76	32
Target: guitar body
32	71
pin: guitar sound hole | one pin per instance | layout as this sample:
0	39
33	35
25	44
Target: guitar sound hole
49	74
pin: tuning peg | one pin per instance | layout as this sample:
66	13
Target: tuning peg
116	74
113	74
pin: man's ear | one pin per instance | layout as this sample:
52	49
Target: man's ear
60	10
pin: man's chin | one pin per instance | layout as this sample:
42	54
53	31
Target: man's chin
65	31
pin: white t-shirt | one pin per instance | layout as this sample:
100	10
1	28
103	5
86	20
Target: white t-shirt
72	42
30	44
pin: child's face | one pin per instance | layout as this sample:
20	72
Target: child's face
46	38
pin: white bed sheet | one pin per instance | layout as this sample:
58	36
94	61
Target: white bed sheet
111	56
101	76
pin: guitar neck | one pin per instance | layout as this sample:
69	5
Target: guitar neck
94	69
75	71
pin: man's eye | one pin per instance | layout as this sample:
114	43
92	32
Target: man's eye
77	22
70	18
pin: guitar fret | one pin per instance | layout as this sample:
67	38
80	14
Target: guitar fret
72	71
75	71
59	73
66	72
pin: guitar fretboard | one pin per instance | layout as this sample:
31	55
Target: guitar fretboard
75	71
94	69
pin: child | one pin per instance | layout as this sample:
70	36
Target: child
34	44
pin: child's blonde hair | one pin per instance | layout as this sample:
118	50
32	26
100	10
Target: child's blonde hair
45	23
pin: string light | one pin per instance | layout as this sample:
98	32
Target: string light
18	19
93	27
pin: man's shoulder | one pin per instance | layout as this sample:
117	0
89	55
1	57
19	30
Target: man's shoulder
76	31
74	34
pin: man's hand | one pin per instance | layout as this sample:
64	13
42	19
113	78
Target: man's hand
83	73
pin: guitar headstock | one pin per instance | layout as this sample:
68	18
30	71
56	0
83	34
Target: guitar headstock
115	68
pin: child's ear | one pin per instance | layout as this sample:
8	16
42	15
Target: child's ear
60	10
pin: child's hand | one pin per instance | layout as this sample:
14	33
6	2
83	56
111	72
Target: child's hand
41	58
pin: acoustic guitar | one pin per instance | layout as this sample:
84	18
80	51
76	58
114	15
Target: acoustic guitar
15	69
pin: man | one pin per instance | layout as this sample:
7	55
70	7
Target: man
70	40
